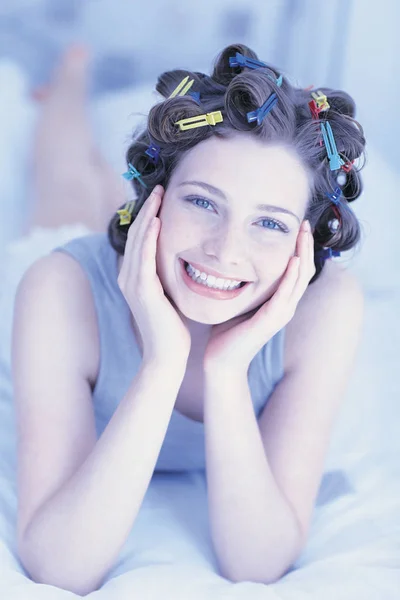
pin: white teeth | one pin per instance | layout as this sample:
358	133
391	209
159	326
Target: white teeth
211	280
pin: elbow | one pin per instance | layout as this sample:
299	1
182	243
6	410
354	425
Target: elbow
264	576
269	566
42	570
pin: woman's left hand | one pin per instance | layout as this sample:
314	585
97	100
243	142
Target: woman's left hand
234	343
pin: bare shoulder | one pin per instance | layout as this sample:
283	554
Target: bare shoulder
54	365
58	283
331	308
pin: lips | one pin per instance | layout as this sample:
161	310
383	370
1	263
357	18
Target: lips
209	292
213	273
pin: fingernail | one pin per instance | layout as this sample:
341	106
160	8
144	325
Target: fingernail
157	189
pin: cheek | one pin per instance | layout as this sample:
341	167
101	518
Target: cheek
274	260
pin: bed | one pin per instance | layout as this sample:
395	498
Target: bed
353	550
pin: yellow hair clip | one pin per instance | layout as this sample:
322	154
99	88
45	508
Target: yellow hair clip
181	89
208	119
125	214
321	100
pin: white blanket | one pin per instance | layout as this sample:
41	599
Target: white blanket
353	550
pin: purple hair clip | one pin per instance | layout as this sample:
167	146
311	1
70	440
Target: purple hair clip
335	196
259	114
153	152
326	253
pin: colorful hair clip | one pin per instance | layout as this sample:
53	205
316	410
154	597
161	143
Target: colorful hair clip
321	101
243	61
314	110
208	119
125	214
195	96
259	114
347	167
133	173
335	195
181	89
153	152
335	162
326	253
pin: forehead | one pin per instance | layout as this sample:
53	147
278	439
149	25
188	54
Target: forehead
247	167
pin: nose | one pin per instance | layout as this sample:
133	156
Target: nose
226	244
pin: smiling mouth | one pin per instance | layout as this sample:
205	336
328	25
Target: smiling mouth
242	283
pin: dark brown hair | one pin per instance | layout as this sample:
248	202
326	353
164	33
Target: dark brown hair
235	91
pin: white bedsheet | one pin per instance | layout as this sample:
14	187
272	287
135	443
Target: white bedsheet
353	550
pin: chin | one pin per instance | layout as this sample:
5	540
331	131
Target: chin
199	315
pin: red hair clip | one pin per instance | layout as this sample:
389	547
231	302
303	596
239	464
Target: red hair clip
347	167
314	109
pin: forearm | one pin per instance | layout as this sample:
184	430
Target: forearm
254	529
75	537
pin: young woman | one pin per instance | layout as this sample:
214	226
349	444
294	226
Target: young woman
202	327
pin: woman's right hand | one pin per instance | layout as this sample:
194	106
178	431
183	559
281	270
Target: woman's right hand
164	334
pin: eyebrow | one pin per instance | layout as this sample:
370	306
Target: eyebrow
217	192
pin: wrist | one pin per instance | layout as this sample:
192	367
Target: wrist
221	370
164	366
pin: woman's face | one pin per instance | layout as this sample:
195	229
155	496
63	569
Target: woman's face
209	216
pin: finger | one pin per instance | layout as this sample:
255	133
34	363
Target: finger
149	270
287	284
137	231
305	267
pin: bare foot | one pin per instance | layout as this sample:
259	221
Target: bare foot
72	182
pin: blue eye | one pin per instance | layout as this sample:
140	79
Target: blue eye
281	226
278	223
193	200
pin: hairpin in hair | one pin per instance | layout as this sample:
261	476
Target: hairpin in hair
182	88
199	121
244	61
335	162
133	173
321	100
259	114
125	214
326	253
335	195
153	152
347	167
195	96
314	110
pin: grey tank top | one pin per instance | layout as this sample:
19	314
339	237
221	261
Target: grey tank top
184	443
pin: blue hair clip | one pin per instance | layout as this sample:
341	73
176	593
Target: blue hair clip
326	253
195	96
335	162
261	112
133	173
244	61
335	195
153	152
